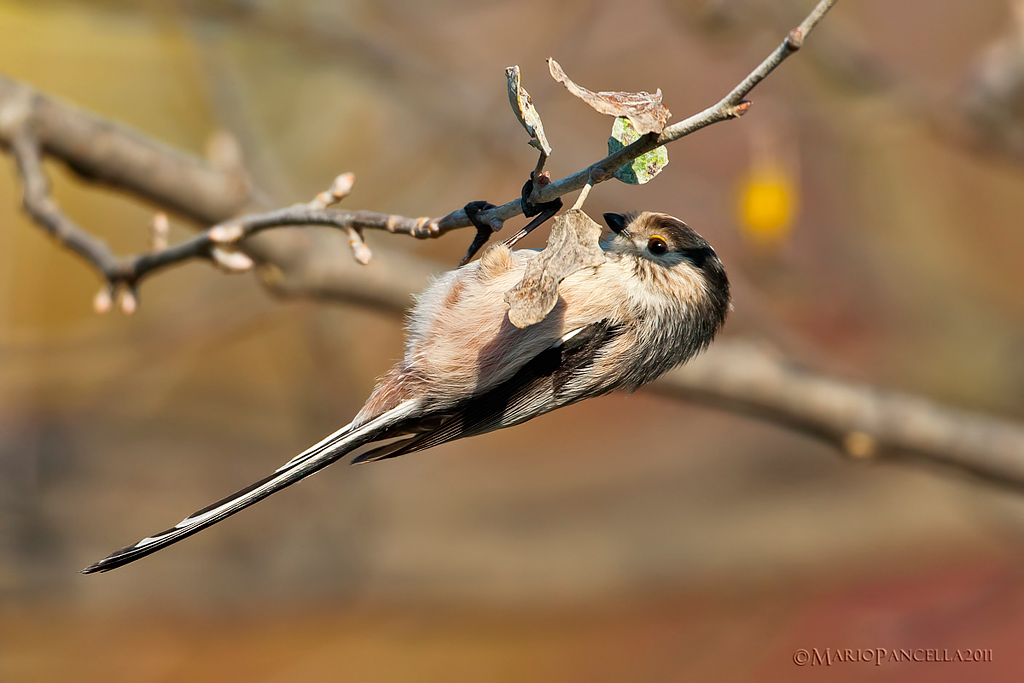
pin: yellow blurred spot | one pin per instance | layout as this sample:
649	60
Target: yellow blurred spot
768	199
860	445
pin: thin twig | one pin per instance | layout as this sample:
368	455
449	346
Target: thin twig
44	211
730	107
305	214
584	193
131	270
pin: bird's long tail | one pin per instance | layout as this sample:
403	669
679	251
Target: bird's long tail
314	458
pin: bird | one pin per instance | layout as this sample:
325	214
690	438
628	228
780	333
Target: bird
658	298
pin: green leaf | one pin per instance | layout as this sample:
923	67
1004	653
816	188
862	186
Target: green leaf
645	166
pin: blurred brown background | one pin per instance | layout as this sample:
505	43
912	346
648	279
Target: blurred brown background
631	538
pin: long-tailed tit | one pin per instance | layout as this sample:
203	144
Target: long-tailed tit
659	297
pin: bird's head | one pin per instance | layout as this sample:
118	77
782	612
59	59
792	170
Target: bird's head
672	260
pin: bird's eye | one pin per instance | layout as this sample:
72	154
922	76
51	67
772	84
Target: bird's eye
657	245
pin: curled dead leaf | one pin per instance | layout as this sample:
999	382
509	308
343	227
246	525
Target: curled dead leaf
574	244
644	110
522	106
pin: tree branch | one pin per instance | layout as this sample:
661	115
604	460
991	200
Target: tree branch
117	156
292	263
182	183
118	272
729	107
44	211
863	421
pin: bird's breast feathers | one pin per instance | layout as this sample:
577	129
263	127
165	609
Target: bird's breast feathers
460	335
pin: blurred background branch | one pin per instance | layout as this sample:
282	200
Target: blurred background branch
862	421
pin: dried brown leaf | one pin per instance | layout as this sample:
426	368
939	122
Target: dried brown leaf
644	110
572	245
522	106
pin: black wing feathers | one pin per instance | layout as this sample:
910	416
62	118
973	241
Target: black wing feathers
540	381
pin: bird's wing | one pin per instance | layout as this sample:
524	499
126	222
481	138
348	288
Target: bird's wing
546	382
315	458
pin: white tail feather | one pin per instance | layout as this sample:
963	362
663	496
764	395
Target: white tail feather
301	466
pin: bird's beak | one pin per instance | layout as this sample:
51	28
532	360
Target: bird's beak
617	222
